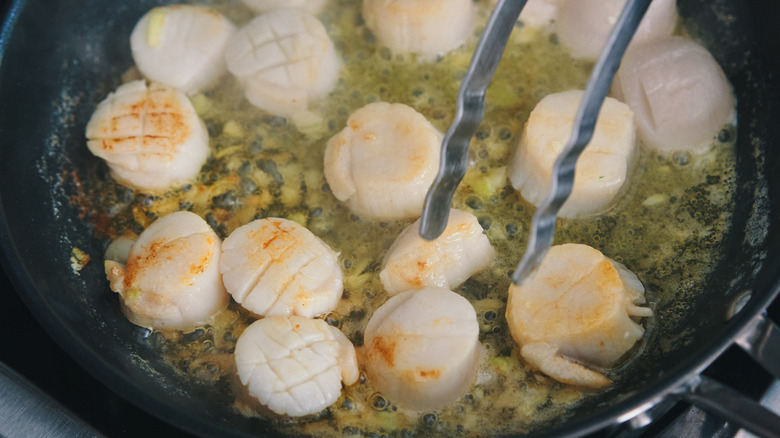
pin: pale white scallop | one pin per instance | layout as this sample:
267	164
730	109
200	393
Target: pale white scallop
540	13
679	93
429	28
150	136
171	279
295	365
585	25
578	306
421	348
182	46
275	266
383	162
603	168
263	6
284	59
415	263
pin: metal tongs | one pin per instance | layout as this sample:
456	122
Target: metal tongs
471	109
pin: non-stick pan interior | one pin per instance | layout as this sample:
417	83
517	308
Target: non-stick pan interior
60	58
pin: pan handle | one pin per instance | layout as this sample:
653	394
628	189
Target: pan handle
714	397
761	340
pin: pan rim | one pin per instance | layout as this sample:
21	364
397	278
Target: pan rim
91	360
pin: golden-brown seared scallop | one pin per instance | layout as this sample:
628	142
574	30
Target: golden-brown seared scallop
150	136
578	305
171	279
421	348
415	263
275	266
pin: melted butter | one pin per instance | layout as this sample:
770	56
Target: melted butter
666	228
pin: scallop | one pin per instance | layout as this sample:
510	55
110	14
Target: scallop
294	365
578	306
383	162
415	263
150	136
284	59
263	6
429	28
680	95
602	169
540	13
182	46
275	266
585	25
171	279
421	348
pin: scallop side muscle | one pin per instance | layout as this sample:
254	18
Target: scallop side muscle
275	266
602	169
295	365
680	95
578	305
150	136
421	348
181	46
382	163
415	263
171	279
284	59
429	28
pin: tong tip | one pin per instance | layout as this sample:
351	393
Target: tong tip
435	214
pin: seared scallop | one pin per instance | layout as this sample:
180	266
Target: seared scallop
428	28
150	136
602	169
171	279
275	266
458	253
680	95
382	163
585	25
263	6
294	365
284	59
421	348
181	46
578	306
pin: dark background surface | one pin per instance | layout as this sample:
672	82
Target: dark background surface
28	349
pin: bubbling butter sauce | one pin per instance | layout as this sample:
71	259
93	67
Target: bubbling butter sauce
666	228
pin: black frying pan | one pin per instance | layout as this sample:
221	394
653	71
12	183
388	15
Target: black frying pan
59	58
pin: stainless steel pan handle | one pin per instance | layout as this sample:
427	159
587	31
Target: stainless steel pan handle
719	399
761	340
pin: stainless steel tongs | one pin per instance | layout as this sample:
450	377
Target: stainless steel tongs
471	109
